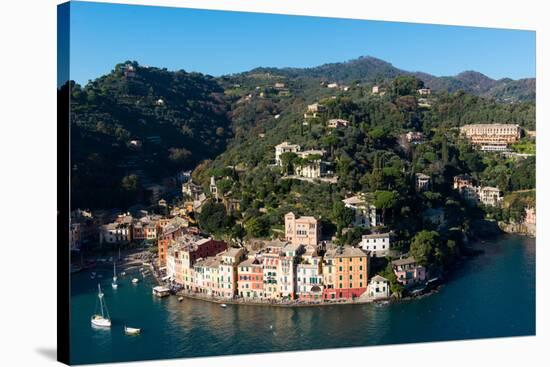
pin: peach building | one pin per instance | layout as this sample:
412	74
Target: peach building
184	252
351	268
302	230
489	134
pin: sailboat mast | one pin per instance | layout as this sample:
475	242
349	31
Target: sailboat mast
100	299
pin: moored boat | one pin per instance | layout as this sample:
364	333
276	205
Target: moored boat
101	319
135	280
223	305
131	330
114	284
161	291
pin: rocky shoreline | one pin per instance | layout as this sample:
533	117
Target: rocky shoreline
529	230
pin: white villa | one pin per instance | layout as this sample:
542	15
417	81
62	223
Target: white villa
366	215
378	244
284	147
378	288
422	182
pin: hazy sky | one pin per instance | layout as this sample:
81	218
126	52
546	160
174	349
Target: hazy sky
217	42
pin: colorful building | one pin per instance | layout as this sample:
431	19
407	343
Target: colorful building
409	272
302	231
227	277
351	269
309	276
491	134
184	252
250	279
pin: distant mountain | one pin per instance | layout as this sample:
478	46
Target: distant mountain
369	69
366	69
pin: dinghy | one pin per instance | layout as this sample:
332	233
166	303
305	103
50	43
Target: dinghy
131	330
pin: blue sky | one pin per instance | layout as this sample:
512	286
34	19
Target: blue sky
217	43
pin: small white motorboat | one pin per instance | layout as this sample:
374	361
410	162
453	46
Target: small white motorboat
131	330
223	305
135	280
180	299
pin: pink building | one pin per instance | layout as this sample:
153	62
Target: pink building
409	272
302	231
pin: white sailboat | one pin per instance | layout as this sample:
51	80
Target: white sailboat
101	319
114	283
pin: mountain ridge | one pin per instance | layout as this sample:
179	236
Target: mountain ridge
372	69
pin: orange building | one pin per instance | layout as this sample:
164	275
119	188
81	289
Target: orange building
350	267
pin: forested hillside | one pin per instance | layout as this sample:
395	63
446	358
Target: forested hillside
137	125
128	128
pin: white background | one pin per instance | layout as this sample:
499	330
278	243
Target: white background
28	182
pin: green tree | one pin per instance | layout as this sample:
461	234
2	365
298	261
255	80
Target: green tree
385	200
257	227
238	233
424	245
213	218
288	160
406	85
342	215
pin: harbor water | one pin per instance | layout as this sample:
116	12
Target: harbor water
491	295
